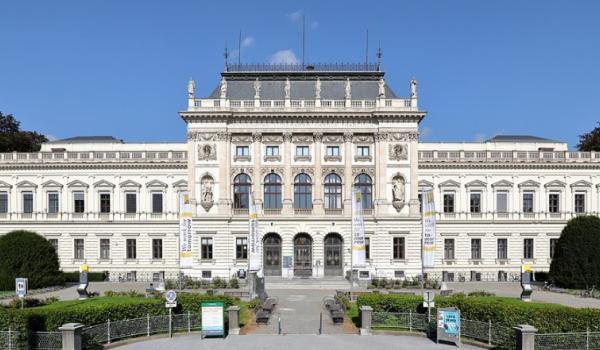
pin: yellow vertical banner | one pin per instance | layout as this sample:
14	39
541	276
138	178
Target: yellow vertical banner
358	231
185	231
428	229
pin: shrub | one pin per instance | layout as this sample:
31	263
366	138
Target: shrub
481	293
234	283
508	312
29	302
219	283
576	261
27	254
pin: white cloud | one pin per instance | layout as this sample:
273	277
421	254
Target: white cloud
248	41
296	16
284	57
314	25
425	131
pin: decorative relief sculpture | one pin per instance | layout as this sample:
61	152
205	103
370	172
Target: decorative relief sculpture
328	170
348	89
272	138
348	136
398	152
257	137
287	136
201	136
207	199
413	88
241	138
404	136
381	85
257	88
363	170
302	138
267	170
190	88
300	170
382	136
318	89
318	136
333	139
287	88
207	152
363	138
398	192
223	88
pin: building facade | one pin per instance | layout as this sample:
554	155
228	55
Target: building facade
300	139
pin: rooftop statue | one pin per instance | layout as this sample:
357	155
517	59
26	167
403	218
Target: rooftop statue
190	87
381	85
413	88
257	88
348	89
318	89
223	88
287	88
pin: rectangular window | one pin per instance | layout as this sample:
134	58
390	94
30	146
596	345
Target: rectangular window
104	248
79	202
475	202
54	243
28	202
241	248
130	202
528	248
502	202
3	202
580	203
157	248
272	150
476	248
553	243
78	249
448	202
367	248
527	202
502	248
157	202
399	248
52	202
420	196
302	151
242	151
333	151
105	202
206	248
362	151
449	248
131	247
553	202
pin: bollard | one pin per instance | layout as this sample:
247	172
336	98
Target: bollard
366	314
410	321
170	323
490	332
525	335
189	323
9	339
71	336
233	312
279	324
108	331
147	325
320	323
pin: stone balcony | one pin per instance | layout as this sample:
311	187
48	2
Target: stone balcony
508	156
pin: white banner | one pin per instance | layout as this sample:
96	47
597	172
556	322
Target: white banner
428	244
358	231
254	239
185	231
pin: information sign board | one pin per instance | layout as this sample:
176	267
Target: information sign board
21	287
212	318
448	325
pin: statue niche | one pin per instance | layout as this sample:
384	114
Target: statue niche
398	192
206	199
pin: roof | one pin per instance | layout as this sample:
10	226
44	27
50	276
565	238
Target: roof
520	138
364	81
89	139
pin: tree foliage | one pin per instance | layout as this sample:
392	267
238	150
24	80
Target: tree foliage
27	254
576	261
590	141
12	138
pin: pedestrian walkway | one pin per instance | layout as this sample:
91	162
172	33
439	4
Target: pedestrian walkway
299	311
294	342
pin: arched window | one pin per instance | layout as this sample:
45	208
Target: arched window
302	192
364	184
333	192
272	192
241	191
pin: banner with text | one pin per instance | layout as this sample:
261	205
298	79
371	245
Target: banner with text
254	239
185	231
428	229
358	231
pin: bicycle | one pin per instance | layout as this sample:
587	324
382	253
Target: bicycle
588	292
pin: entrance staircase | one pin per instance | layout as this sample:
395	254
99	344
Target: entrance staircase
324	283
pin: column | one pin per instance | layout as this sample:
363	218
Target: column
71	336
257	178
366	315
414	178
318	176
287	174
525	335
234	320
191	157
224	180
347	180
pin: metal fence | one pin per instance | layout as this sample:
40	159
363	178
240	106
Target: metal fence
567	341
45	340
9	340
105	333
486	332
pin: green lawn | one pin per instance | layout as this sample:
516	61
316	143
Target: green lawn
6	292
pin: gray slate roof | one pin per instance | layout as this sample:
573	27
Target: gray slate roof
89	139
519	138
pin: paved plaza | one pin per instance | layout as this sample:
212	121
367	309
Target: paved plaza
293	342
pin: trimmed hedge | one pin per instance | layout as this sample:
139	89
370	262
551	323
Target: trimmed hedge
99	310
547	318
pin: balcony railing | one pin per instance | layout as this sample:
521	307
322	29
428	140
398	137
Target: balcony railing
402	104
93	157
509	156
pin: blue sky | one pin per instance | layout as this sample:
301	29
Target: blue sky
120	68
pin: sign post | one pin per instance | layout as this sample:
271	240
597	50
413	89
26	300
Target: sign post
428	302
212	319
448	325
21	288
171	302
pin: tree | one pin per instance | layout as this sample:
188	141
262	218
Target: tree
590	141
27	254
12	138
576	261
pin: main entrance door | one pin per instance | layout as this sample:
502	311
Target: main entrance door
272	254
333	255
302	255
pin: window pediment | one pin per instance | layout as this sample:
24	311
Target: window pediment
425	183
52	183
5	185
581	183
26	183
180	184
529	183
104	183
77	183
555	183
502	183
156	183
476	183
449	183
130	183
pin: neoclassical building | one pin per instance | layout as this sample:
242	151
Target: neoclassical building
299	139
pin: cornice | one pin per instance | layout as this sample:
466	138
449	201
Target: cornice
516	166
84	166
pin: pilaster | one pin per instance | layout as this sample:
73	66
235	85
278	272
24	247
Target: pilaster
348	183
317	181
224	150
287	174
256	160
414	179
